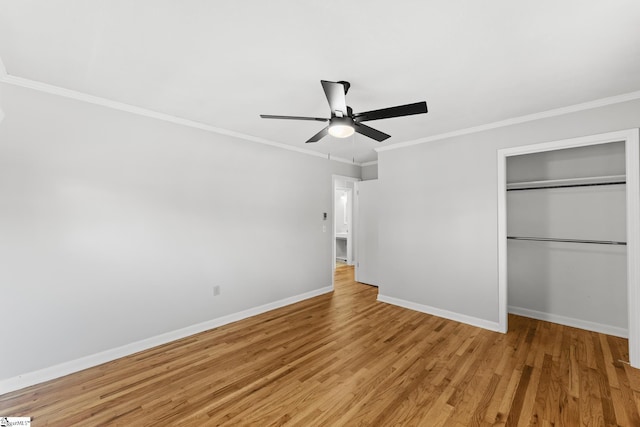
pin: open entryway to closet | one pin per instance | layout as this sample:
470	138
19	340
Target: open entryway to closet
566	232
569	233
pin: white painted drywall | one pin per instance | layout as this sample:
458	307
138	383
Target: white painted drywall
585	282
370	172
592	213
115	227
438	210
579	286
579	162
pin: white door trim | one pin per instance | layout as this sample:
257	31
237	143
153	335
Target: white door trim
631	138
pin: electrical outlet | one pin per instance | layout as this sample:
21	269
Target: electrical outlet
216	290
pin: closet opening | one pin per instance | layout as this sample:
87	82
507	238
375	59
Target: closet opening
569	234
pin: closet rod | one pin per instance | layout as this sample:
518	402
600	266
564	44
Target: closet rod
546	239
542	187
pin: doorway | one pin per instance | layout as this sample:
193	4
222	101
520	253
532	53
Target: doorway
632	165
343	222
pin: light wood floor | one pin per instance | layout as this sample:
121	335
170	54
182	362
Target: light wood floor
345	359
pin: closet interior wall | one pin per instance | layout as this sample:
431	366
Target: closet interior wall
573	283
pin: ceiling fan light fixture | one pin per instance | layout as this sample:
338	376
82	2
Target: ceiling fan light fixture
341	127
343	123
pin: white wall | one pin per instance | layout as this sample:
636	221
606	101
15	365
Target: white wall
370	172
579	162
438	211
115	227
581	284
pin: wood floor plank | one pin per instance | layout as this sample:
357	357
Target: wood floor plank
344	359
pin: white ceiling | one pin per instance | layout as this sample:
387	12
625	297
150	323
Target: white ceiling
224	63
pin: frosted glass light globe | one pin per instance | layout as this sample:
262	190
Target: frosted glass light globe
341	131
341	127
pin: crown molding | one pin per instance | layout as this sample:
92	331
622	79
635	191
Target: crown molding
104	102
96	100
516	120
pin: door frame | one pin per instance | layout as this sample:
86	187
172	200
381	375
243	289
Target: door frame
631	139
354	247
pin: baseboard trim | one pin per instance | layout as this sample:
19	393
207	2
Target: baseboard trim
72	366
570	321
462	318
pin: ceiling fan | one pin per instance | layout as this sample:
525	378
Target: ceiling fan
343	122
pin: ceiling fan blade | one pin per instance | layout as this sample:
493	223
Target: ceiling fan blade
387	113
335	93
318	136
370	132
317	119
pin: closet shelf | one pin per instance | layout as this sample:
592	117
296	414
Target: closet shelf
567	182
548	239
